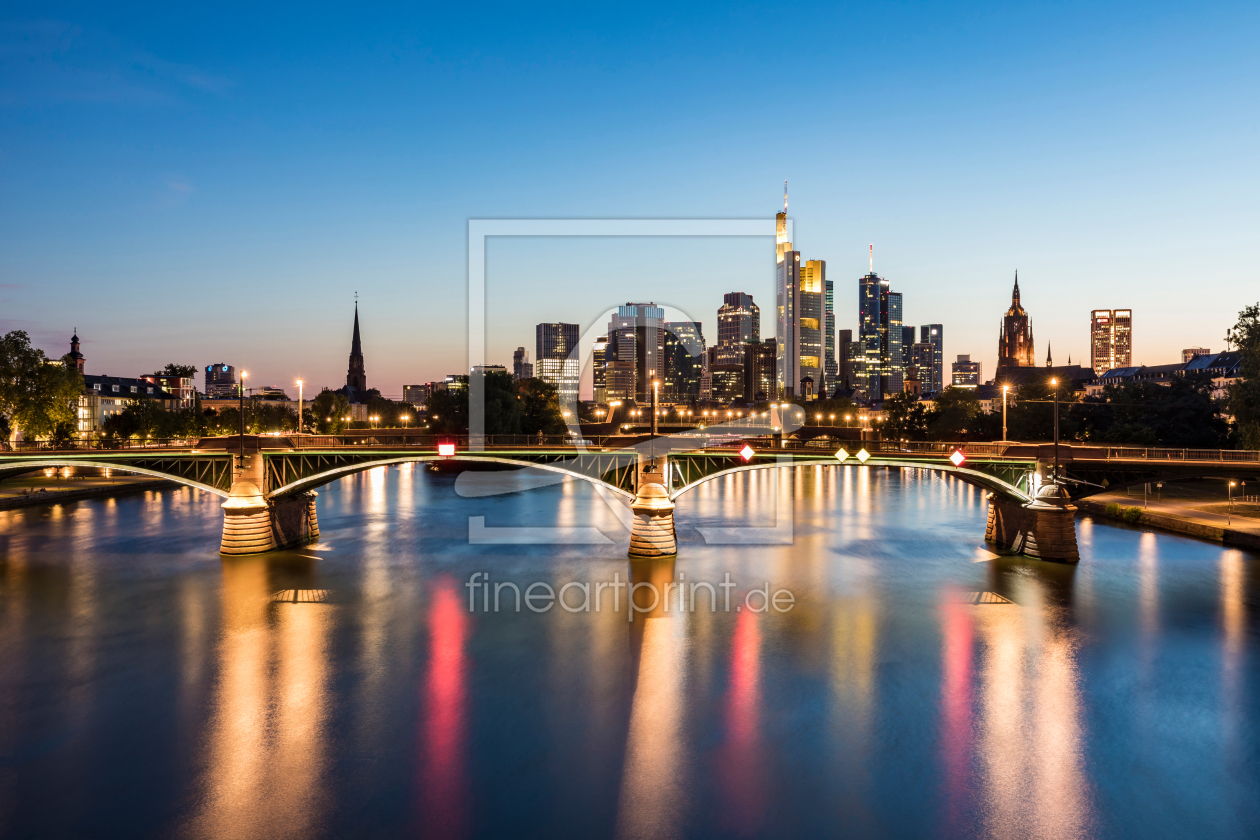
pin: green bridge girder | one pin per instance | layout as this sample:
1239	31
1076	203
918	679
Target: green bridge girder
211	472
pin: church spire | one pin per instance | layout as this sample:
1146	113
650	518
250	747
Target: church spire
1015	294
356	375
1049	356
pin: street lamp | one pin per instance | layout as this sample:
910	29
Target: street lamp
1005	388
1230	518
1055	382
242	389
299	384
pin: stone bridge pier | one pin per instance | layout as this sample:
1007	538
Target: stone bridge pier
1044	528
652	533
254	523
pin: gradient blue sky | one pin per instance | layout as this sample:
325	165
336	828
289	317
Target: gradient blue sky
204	184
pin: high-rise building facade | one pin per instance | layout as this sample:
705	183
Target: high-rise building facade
521	368
831	365
1015	338
1111	339
684	350
760	371
799	318
844	360
415	394
739	323
965	373
934	334
599	370
220	380
922	357
880	336
556	358
636	349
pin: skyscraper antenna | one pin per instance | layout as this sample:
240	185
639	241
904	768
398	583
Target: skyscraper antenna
872	258
784	196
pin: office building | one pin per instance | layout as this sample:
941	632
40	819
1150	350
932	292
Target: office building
521	368
414	394
684	350
966	373
831	365
1111	339
726	379
739	323
599	361
556	360
844	361
1189	353
1015	337
908	340
179	387
933	380
880	336
636	349
799	323
220	380
922	357
760	364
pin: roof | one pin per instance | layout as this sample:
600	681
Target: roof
1017	376
1216	362
127	386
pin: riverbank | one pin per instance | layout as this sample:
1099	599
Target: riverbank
1238	531
30	492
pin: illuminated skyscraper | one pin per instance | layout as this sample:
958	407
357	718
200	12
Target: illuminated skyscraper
521	368
599	369
556	360
739	323
1111	339
934	334
799	309
966	373
684	350
635	354
880	336
831	366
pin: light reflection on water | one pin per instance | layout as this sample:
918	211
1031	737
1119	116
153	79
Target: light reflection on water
912	691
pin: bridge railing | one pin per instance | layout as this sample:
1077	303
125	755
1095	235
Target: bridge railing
96	445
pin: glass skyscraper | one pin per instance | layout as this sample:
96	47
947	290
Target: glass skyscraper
934	334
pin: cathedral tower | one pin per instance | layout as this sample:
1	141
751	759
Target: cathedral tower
356	376
1015	341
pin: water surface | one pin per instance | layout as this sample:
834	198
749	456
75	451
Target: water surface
919	686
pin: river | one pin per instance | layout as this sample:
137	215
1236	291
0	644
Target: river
909	684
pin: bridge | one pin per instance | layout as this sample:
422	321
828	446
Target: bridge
269	483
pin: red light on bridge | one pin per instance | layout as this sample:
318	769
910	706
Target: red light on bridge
957	458
746	453
446	450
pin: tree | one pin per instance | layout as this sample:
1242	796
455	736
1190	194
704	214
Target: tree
1244	395
186	371
540	408
329	411
956	411
140	418
1181	414
904	417
448	411
36	393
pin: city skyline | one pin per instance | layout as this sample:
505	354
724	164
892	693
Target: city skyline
150	179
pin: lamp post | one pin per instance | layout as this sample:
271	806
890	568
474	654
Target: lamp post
1230	518
299	384
1055	383
1005	388
242	393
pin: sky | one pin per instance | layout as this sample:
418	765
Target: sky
203	185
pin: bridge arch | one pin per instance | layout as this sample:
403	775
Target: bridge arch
311	482
982	480
9	468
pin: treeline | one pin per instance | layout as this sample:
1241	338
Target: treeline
527	407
